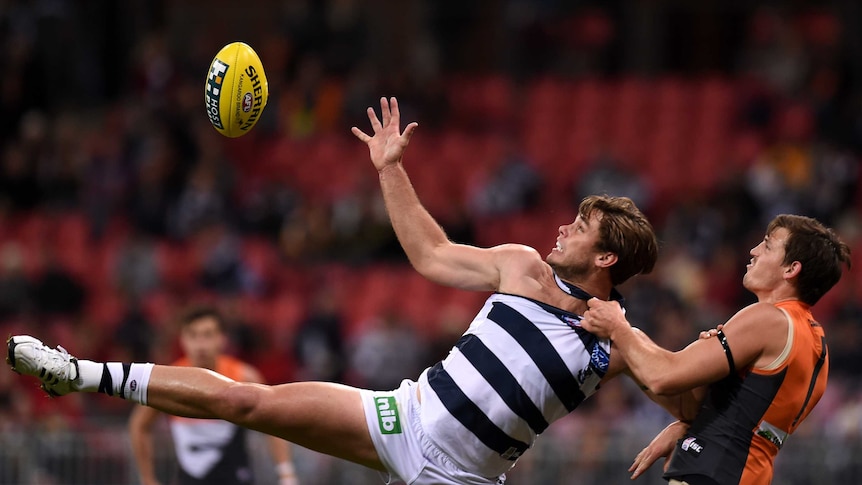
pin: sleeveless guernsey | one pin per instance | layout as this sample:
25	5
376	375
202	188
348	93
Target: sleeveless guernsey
746	417
520	366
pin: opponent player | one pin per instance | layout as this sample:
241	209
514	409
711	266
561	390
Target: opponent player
523	363
208	451
768	366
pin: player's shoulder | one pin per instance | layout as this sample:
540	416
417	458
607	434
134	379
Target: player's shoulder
759	314
518	253
518	260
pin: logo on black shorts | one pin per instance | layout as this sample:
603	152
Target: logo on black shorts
690	444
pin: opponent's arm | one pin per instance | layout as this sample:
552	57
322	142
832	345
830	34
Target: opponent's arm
427	247
683	406
279	449
759	330
141	424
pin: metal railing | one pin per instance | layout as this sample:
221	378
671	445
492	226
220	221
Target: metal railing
101	456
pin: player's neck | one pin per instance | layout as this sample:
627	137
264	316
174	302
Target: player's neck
778	295
584	289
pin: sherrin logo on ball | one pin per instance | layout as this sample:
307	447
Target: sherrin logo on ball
236	90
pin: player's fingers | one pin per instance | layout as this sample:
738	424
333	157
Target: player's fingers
372	117
639	468
644	460
636	469
394	112
360	134
385	112
408	131
637	460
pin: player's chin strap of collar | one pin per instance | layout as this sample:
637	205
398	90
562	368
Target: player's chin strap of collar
583	295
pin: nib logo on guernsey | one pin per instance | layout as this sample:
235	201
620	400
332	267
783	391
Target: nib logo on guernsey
387	415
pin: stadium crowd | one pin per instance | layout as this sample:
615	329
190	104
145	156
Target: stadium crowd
120	205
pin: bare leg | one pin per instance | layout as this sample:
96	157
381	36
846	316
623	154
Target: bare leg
321	416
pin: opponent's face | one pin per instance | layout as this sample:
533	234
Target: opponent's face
766	269
202	341
576	246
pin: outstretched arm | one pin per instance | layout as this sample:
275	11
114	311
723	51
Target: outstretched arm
756	333
427	247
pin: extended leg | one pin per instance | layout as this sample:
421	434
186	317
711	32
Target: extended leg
321	416
324	417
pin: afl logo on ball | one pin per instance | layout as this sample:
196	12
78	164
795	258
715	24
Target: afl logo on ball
246	102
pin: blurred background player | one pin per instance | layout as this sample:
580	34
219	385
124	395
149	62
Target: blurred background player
208	451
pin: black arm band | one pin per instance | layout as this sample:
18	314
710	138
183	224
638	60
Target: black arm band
723	339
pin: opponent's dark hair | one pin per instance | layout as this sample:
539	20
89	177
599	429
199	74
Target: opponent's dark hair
625	231
820	251
196	313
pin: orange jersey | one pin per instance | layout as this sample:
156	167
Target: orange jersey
225	365
746	417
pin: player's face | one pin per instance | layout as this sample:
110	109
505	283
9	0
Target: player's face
766	268
202	342
576	246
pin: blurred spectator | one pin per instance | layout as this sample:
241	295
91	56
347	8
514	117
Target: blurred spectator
845	339
15	288
513	186
386	349
244	336
202	200
136	269
151	194
307	234
773	51
135	333
607	174
56	292
265	207
318	344
834	183
361	228
19	187
696	227
106	181
64	164
222	269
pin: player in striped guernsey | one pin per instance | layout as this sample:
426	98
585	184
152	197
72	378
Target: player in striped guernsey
523	362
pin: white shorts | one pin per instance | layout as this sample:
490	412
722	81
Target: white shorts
396	430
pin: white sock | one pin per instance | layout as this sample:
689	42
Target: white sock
127	381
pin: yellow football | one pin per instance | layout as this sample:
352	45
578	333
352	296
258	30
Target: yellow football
236	90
